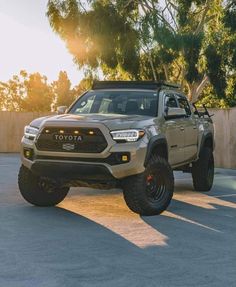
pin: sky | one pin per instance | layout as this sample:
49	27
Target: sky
27	42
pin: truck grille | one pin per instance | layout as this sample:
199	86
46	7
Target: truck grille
81	140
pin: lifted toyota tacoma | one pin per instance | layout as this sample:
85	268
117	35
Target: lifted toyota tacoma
125	134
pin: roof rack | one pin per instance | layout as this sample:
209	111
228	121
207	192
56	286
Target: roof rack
149	85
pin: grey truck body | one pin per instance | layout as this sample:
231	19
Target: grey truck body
97	157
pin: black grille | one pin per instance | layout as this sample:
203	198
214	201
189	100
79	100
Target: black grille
92	140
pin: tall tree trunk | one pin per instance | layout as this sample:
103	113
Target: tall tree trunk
165	67
196	88
152	66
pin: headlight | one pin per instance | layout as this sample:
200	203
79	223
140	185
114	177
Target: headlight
127	135
30	132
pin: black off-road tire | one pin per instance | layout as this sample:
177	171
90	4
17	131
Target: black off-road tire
138	195
203	170
39	192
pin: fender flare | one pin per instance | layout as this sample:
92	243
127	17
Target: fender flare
153	143
204	138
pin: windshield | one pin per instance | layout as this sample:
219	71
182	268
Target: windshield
117	102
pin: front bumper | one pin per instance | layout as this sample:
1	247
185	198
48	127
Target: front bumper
72	171
96	167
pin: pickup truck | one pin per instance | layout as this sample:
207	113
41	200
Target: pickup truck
125	134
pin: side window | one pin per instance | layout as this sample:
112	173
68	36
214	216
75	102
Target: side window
183	104
170	102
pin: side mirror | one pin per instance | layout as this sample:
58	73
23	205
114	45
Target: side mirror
61	110
172	113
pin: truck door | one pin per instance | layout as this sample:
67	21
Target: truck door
189	125
174	132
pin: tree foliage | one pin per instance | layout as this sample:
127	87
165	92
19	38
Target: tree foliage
26	92
32	92
86	34
12	93
38	94
177	40
63	94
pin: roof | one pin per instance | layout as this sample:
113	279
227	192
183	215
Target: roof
149	85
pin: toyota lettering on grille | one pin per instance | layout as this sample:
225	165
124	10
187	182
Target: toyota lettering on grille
68	138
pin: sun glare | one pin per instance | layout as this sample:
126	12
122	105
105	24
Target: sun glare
34	49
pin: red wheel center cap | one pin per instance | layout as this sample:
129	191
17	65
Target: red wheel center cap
149	177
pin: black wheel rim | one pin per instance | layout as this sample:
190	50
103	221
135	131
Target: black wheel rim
155	187
47	186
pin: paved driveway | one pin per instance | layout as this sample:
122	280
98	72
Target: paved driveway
92	239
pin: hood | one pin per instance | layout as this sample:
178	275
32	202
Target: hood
111	121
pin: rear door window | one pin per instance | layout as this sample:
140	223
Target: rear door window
170	101
183	104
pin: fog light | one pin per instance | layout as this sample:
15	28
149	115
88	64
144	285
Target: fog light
124	158
28	153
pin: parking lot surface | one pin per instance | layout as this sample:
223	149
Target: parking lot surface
92	239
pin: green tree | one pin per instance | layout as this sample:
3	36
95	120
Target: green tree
2	96
221	65
64	95
84	85
13	93
26	92
39	95
161	40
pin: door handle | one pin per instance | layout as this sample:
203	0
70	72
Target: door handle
182	128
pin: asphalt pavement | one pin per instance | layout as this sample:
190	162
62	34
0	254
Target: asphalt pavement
92	239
